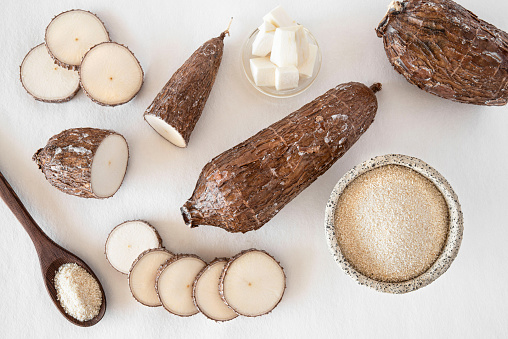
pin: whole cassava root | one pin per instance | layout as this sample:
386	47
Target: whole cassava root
177	108
85	162
244	187
447	50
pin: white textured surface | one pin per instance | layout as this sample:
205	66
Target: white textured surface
467	144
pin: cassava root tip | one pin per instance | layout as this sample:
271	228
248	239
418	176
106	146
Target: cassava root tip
376	87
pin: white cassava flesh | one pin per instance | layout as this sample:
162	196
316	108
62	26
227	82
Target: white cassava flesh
206	295
109	166
252	283
70	34
46	81
110	74
127	241
175	281
167	131
143	273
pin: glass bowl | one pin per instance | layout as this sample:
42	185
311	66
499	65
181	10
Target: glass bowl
303	83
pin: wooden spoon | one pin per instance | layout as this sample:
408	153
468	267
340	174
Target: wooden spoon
51	255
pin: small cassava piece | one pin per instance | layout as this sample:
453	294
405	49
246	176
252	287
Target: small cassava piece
175	282
70	34
110	74
447	50
85	162
176	109
127	241
205	292
44	80
143	274
243	188
252	283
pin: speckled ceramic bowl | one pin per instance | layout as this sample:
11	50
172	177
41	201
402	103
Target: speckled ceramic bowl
453	239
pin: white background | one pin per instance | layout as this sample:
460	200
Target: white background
467	144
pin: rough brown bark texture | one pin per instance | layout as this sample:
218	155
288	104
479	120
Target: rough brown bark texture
447	50
66	160
182	100
244	187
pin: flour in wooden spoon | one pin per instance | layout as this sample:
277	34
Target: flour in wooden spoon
78	292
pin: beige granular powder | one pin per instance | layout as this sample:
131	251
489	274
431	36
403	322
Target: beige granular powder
78	292
391	223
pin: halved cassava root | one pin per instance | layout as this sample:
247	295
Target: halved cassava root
244	187
143	274
70	34
85	162
44	80
205	292
177	108
110	74
446	50
127	241
174	283
252	283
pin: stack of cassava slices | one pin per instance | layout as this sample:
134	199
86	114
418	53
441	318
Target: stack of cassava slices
250	283
77	52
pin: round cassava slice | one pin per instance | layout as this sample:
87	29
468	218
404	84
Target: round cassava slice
85	162
252	283
71	34
143	274
46	81
205	292
127	241
175	281
110	74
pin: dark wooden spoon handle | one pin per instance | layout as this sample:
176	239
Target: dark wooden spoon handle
39	238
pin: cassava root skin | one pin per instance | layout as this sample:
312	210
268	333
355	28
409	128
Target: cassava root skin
66	160
244	187
447	50
182	100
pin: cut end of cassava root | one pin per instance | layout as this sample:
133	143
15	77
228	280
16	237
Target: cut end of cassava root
174	283
206	295
46	81
252	283
143	274
110	74
71	34
85	162
127	241
166	131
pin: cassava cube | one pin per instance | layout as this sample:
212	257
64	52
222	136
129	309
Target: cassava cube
46	81
177	108
243	188
85	162
446	50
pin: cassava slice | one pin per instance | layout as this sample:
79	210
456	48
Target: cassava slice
244	187
446	50
143	273
70	34
85	162
176	109
205	292
175	281
46	81
110	74
252	283
127	241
